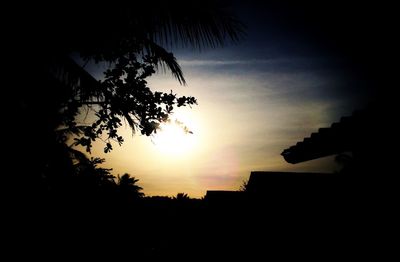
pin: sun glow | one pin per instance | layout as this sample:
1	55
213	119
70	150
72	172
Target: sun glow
174	139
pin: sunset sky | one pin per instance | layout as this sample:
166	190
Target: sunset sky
256	98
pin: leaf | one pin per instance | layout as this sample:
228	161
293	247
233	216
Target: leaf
108	148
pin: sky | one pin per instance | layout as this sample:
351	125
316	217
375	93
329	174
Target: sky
282	82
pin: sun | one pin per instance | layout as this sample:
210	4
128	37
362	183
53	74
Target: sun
173	139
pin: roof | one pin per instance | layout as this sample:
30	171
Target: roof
342	136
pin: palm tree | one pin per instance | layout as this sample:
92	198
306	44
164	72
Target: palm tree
182	197
134	39
128	186
107	33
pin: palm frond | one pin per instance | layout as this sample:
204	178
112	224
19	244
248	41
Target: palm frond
130	121
202	24
78	155
165	59
70	74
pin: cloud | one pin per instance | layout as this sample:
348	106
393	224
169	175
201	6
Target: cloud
195	62
250	110
276	64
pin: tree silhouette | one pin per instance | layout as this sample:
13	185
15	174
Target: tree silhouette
182	197
127	186
132	40
93	174
135	49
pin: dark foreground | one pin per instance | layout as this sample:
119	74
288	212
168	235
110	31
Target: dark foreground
339	222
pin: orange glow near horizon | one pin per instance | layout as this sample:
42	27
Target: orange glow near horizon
242	124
